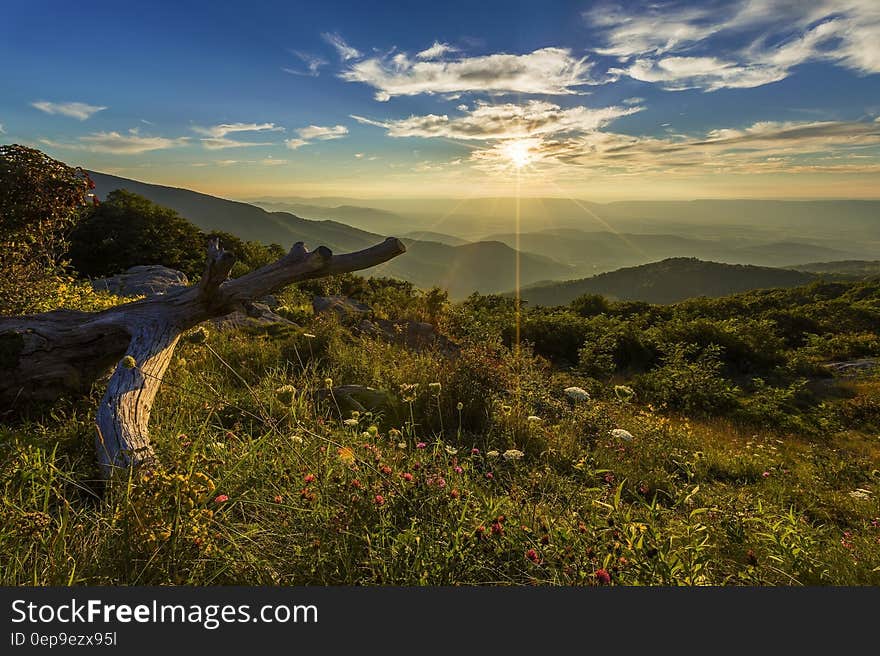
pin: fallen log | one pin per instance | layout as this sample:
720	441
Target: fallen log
45	356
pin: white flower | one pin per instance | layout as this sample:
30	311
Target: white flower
622	434
401	445
492	454
861	494
512	454
577	394
350	422
451	451
296	439
533	419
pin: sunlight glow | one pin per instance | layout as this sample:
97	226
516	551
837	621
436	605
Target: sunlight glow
518	152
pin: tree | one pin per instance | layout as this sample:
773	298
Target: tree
127	230
41	199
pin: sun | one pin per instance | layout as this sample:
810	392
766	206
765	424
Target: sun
518	152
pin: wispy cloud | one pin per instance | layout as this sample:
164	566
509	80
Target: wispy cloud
550	71
77	110
119	144
486	121
316	132
435	51
312	63
2	129
215	136
344	50
740	44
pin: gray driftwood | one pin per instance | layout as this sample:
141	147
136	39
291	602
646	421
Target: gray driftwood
47	355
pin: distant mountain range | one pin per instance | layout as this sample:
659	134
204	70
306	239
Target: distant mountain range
668	281
487	267
455	244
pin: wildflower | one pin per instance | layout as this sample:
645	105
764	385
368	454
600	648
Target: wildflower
296	439
285	394
328	382
490	475
351	423
386	470
379	499
278	498
366	435
394	433
533	419
454	494
475	452
497	528
355	414
409	391
221	498
459	406
310	478
421	445
766	474
407	477
458	469
861	494
512	454
356	484
373	430
440	482
346	455
602	576
401	445
128	362
621	434
492	454
532	555
479	531
451	451
435	388
577	394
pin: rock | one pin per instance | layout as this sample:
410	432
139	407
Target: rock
271	301
854	367
361	398
144	280
254	315
341	305
415	335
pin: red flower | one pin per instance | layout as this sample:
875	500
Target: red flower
475	452
497	528
278	498
490	475
379	499
421	445
310	478
356	484
458	469
221	498
407	477
454	494
532	555
386	469
602	576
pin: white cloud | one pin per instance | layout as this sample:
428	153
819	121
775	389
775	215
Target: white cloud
535	118
78	110
635	100
746	43
552	71
216	139
436	51
344	50
322	133
2	129
293	144
119	144
313	64
356	155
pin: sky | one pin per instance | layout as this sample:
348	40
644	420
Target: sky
592	100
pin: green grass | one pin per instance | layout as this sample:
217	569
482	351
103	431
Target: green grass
310	500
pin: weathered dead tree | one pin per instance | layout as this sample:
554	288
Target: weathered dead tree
45	356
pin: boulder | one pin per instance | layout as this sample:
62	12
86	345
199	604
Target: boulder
342	305
144	280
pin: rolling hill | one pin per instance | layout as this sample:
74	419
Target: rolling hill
487	267
667	281
845	269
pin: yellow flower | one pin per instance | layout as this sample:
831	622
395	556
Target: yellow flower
346	455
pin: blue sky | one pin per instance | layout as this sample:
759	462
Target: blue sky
760	98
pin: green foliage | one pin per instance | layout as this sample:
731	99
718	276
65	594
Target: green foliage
127	230
41	199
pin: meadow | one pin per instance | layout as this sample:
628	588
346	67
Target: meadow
702	443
